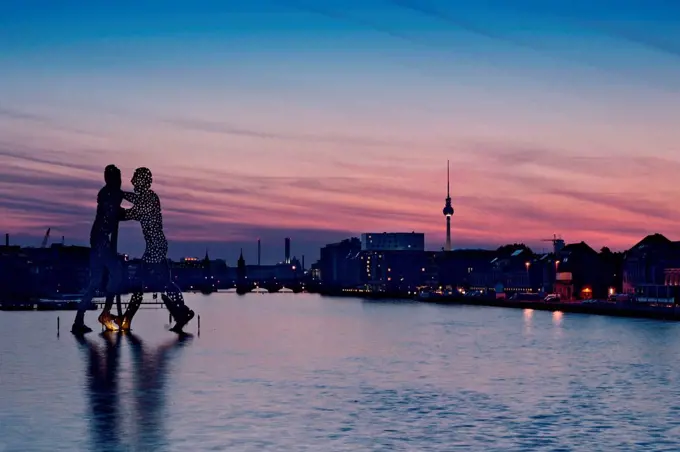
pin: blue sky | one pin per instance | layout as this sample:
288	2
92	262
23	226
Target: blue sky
326	111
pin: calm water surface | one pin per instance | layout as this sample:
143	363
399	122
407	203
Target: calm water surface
298	372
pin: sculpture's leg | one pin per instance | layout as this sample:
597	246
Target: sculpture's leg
113	288
174	301
119	305
105	318
125	320
96	276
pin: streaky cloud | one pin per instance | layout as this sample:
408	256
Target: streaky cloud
20	115
230	129
60	160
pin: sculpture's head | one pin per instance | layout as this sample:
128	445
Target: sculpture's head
112	177
142	179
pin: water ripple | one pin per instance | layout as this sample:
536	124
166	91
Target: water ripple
304	373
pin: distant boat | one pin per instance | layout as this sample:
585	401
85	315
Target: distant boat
260	290
285	290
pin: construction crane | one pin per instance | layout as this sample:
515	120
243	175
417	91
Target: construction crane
554	239
557	242
45	239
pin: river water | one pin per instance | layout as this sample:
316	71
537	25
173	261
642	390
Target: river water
290	372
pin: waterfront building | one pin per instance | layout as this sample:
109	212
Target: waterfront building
188	272
466	269
513	267
16	278
672	277
339	265
398	271
241	275
263	274
648	268
393	241
59	269
315	272
579	271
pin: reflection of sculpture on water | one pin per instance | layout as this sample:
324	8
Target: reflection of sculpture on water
149	370
102	381
150	375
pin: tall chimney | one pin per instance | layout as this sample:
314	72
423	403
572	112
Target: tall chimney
259	252
7	240
287	260
303	261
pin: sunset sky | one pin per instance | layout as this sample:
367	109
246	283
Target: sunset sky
324	119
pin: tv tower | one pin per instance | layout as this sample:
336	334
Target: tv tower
448	210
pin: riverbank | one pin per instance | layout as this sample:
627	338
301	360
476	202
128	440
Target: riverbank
593	307
617	309
40	305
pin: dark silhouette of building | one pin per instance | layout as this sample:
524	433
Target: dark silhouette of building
393	241
339	265
397	271
612	271
287	251
647	266
209	284
59	270
466	269
241	276
17	279
580	273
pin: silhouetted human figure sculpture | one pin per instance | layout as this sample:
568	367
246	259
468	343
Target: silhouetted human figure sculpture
155	271
102	254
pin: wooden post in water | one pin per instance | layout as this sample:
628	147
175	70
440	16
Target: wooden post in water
57	325
199	324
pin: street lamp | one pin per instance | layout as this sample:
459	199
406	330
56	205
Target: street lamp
528	264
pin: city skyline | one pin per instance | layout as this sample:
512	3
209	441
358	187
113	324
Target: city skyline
287	119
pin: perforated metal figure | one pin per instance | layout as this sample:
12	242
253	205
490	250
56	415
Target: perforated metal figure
155	271
103	257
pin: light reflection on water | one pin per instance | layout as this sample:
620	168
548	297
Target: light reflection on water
528	316
298	372
557	317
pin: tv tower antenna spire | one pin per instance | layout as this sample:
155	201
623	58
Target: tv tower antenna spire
448	208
